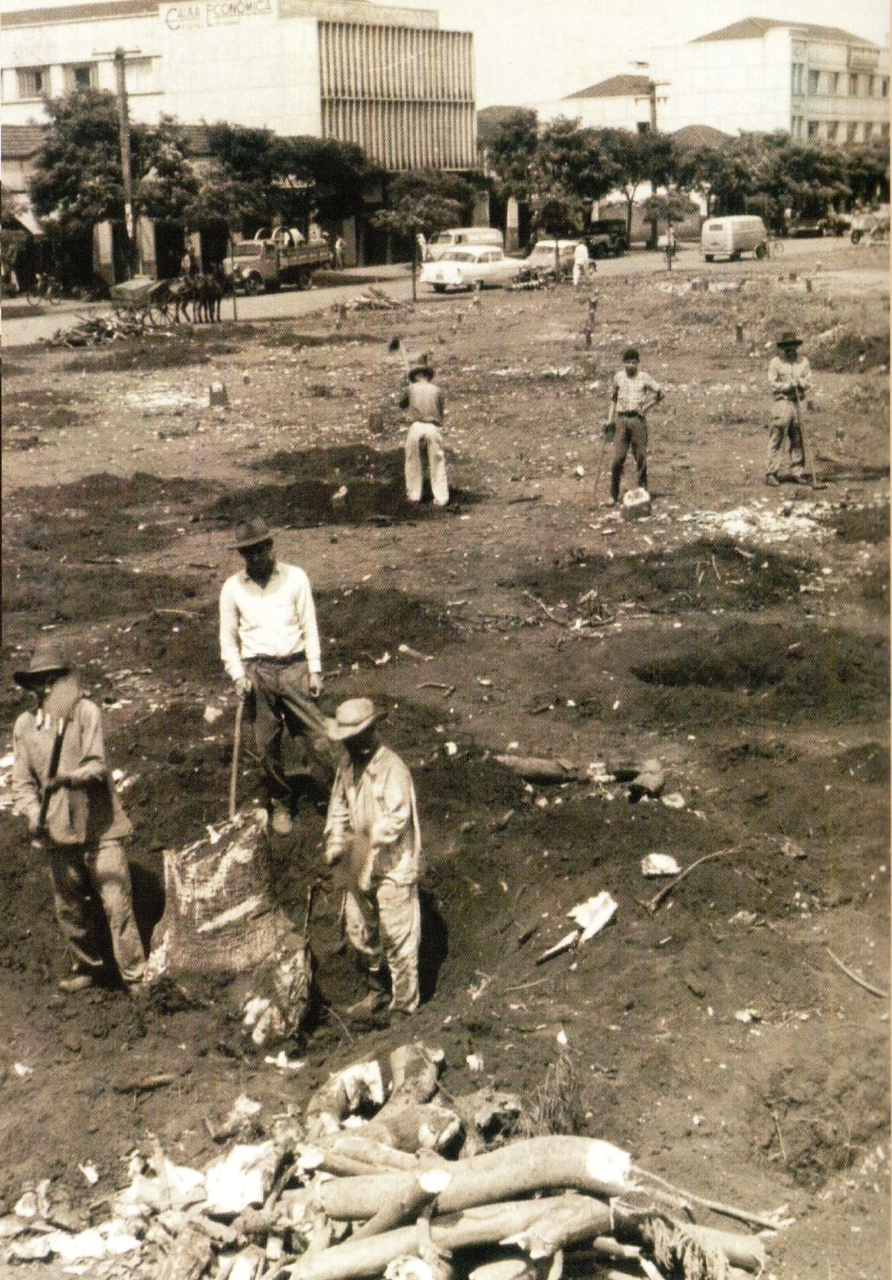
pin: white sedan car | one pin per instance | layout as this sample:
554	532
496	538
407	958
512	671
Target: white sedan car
470	267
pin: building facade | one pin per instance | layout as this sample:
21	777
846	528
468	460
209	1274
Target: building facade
386	78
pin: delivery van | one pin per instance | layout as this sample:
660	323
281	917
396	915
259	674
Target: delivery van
464	237
730	237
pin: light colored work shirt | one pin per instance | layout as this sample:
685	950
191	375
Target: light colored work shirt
275	621
82	814
580	255
787	377
426	402
379	805
629	394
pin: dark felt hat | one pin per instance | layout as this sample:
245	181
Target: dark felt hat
788	339
48	658
421	370
631	353
251	533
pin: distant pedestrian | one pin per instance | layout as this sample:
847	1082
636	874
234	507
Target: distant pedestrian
340	249
372	835
62	785
789	376
426	405
581	263
634	392
188	265
269	643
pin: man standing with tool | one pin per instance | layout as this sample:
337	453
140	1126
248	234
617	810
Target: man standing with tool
634	392
269	643
373	838
61	784
789	376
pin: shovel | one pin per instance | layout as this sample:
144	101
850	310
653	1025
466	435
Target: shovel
236	751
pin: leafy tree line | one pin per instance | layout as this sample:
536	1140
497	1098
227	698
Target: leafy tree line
558	169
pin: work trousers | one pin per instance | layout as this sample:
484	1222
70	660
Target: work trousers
280	700
785	425
385	925
77	872
426	433
631	432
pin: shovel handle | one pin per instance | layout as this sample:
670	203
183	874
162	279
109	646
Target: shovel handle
236	751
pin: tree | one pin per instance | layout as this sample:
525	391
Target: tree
426	201
567	173
636	158
510	145
77	179
169	189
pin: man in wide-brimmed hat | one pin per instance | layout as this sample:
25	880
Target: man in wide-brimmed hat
426	406
373	838
789	376
269	643
61	784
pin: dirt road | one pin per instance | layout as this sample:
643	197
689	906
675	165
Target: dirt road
739	635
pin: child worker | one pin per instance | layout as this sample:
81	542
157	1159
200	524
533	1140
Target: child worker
634	392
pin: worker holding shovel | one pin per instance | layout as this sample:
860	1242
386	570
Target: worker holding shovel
789	376
61	784
632	394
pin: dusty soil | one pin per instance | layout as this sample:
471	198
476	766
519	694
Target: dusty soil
740	635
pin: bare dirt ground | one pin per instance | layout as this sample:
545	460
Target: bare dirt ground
740	635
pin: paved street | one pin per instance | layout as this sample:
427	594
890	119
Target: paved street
24	325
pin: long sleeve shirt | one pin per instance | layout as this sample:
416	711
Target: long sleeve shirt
629	394
426	402
83	813
275	621
379	807
789	379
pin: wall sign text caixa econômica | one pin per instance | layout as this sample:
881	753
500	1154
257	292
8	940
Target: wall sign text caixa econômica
215	13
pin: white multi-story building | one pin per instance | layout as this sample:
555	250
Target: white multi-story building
819	84
385	77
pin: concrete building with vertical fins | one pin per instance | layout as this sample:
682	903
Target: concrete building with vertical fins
385	77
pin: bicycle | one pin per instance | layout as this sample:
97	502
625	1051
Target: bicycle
46	288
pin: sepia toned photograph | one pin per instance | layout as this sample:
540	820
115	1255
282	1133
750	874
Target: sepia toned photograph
445	750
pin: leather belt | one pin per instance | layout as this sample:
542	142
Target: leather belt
279	662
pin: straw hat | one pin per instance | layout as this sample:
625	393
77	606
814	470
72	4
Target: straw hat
251	533
352	718
47	659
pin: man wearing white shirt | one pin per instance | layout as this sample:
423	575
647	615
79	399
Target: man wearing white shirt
269	643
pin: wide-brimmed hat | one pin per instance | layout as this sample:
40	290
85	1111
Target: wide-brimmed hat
351	718
789	339
48	658
631	353
251	533
419	370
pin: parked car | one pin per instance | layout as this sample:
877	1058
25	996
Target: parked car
463	237
871	226
607	238
541	256
470	267
730	237
804	228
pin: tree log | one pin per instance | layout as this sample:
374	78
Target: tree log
579	1219
374	1155
536	1164
478	1226
427	1186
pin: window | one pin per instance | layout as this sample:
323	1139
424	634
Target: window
834	131
813	80
138	74
798	69
853	86
884	87
79	76
33	81
884	130
833	82
812	128
853	131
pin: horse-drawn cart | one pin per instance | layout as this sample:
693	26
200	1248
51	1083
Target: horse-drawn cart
142	301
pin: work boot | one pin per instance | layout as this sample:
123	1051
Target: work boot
77	981
280	819
365	1010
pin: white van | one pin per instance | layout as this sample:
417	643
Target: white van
730	237
464	237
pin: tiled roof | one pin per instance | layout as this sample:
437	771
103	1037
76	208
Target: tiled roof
80	12
22	140
756	28
695	136
615	87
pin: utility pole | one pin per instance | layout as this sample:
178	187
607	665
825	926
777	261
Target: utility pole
120	56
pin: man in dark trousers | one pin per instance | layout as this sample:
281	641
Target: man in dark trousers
633	393
269	643
61	784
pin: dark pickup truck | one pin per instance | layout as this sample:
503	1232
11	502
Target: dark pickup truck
607	238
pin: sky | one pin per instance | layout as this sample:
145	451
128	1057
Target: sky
530	51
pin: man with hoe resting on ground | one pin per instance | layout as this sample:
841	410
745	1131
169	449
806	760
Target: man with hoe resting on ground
789	376
373	838
269	643
61	784
633	393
